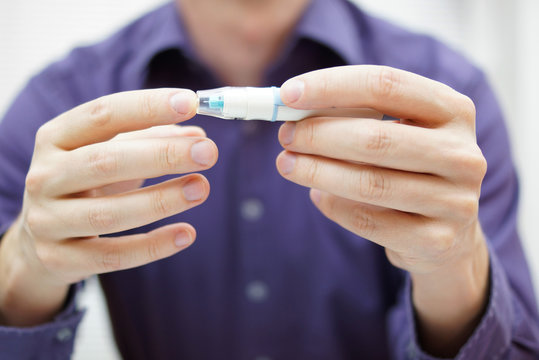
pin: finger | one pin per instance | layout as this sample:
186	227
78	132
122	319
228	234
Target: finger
83	217
116	188
369	184
381	143
107	254
103	118
399	231
162	131
394	92
190	130
116	161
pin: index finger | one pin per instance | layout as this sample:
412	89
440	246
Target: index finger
398	93
102	119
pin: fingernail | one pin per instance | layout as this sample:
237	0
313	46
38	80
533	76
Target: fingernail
287	133
183	102
193	190
202	152
287	161
316	195
292	90
182	239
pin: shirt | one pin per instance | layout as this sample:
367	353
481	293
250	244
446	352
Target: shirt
269	276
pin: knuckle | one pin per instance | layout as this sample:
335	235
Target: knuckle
310	134
362	221
103	162
468	161
111	259
378	141
324	87
34	181
43	135
468	207
466	107
160	204
395	258
46	255
147	108
384	82
479	163
407	260
101	218
100	112
372	185
34	222
313	172
444	242
168	154
153	250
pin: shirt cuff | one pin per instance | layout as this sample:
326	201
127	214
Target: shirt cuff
53	340
492	336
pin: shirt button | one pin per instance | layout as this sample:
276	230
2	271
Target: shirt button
64	334
257	291
252	209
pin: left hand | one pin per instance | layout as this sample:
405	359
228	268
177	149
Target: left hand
411	186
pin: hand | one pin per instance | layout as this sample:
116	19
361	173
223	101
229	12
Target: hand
84	181
411	186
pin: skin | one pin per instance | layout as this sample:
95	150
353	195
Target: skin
411	186
238	52
84	181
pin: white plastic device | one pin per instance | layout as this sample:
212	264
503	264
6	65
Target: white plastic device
263	103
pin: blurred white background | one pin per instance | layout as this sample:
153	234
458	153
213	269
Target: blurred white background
500	35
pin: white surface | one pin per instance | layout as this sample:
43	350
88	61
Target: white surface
94	336
33	33
499	34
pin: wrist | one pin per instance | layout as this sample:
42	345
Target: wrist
27	295
450	301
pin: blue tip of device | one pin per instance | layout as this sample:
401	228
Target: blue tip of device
216	103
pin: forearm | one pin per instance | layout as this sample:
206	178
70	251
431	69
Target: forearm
450	302
27	296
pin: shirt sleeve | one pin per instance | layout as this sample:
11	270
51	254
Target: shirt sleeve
509	328
53	340
39	102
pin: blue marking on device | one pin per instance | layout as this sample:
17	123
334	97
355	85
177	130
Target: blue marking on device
216	103
276	102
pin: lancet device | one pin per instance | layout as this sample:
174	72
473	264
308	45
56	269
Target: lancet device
264	103
247	103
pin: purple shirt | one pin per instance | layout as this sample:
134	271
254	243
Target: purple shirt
269	276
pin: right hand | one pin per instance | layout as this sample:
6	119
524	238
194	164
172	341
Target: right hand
84	180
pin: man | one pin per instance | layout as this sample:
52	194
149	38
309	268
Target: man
405	246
